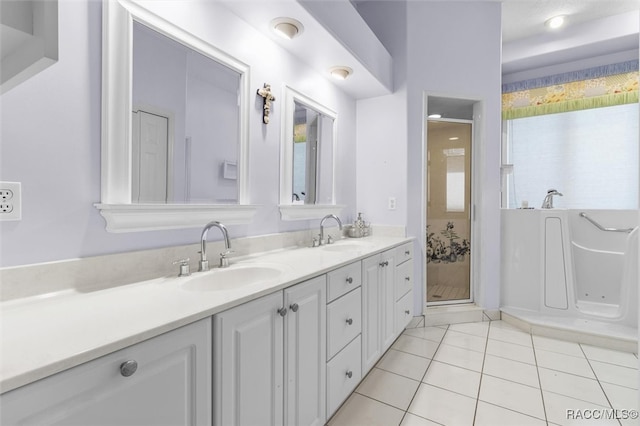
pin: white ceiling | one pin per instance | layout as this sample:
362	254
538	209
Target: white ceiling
525	18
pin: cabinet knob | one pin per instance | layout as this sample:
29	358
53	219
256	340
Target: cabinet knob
349	374
407	278
282	311
349	280
407	252
294	307
349	321
127	368
385	263
407	312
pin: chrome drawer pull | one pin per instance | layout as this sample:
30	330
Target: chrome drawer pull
407	252
407	312
294	307
349	280
127	368
282	311
349	374
349	321
407	278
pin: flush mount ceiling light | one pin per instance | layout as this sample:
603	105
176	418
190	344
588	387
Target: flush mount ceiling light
287	27
555	22
340	73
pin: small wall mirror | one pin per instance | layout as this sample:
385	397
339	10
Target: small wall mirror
307	158
175	139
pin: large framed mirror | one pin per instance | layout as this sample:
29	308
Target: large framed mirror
308	146
174	126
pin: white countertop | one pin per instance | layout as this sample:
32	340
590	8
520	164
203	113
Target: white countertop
46	334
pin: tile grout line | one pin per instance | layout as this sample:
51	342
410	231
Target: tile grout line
484	357
535	359
597	379
423	376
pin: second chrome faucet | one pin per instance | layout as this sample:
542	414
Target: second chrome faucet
224	261
329	239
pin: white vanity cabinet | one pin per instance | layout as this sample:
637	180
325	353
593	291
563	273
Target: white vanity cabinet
165	380
403	292
344	327
270	359
378	307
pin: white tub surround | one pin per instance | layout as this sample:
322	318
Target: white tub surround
52	331
561	272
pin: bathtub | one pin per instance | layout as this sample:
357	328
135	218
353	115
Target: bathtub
558	269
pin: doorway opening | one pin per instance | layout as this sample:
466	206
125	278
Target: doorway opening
448	211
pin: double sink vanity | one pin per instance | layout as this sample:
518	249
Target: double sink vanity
278	337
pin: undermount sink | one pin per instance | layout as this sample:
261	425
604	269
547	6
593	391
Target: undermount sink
230	278
347	246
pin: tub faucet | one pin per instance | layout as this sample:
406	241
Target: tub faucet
548	200
329	216
224	262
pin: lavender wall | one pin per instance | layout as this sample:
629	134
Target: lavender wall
51	138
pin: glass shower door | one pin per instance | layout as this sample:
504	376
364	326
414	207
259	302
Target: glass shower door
448	211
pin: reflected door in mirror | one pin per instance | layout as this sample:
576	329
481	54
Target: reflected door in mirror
199	98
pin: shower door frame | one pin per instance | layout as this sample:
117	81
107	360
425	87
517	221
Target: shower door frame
472	231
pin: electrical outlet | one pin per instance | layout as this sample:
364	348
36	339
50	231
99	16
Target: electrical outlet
392	203
10	201
5	195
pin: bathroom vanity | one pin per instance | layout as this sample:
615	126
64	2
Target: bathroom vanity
281	336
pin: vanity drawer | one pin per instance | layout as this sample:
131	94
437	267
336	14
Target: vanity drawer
343	280
343	375
404	312
404	253
404	279
344	321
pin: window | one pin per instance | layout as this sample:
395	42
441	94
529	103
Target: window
591	156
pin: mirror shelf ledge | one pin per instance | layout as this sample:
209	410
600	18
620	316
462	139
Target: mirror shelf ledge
156	217
308	211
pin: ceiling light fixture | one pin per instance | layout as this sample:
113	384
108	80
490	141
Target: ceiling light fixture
340	73
454	138
434	116
555	22
287	27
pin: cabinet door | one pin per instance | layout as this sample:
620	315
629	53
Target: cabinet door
305	353
248	363
171	386
387	298
371	320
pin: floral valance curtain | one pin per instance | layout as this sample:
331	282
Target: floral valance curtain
603	86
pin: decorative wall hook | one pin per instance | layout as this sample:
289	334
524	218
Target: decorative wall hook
268	98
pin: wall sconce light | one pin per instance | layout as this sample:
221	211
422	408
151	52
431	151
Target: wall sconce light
287	27
555	22
340	73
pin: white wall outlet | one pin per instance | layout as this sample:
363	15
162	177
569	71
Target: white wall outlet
392	203
10	201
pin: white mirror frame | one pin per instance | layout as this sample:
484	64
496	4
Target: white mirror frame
288	210
116	207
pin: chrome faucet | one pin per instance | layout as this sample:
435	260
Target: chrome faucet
224	262
329	216
548	200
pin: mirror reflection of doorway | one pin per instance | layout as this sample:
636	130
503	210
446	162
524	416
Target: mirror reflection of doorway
448	245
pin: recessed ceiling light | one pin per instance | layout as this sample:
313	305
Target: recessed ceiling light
287	27
434	116
340	73
555	22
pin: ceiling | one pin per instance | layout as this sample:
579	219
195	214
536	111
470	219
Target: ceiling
525	18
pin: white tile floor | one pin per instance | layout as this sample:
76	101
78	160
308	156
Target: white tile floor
491	373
